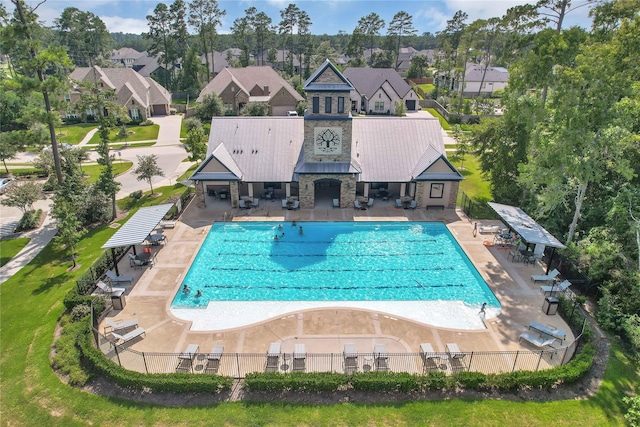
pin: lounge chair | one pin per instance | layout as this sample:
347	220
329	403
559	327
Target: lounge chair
545	277
546	289
456	357
536	340
116	326
357	205
336	203
299	358
550	331
350	359
381	357
273	357
429	357
121	339
213	359
370	202
284	204
296	205
413	204
398	203
109	289
185	360
118	279
256	202
493	229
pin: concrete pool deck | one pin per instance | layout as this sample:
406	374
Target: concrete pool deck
328	329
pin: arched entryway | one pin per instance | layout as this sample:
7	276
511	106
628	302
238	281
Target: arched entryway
325	190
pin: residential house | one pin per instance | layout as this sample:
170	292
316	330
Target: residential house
142	96
483	80
220	60
376	90
326	155
125	56
239	86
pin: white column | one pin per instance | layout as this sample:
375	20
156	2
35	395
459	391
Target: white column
250	189
287	189
403	189
412	189
366	190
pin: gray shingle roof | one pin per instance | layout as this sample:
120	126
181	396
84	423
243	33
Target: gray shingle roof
368	80
312	84
474	73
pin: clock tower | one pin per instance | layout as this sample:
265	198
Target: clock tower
326	153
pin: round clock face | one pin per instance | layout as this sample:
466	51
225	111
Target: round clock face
328	140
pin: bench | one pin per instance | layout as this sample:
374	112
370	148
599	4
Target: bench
435	207
548	330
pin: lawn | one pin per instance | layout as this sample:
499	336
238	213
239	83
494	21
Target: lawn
73	134
33	395
10	247
93	171
136	133
474	185
427	87
443	122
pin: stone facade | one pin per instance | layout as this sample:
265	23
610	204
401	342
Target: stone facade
309	142
307	189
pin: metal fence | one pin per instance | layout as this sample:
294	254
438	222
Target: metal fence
476	210
238	365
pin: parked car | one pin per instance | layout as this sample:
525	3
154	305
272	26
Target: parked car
5	183
292	113
62	146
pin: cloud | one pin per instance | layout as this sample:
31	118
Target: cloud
117	24
432	19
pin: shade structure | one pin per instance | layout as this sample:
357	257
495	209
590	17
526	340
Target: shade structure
525	226
139	226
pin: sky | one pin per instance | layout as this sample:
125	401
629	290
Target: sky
327	16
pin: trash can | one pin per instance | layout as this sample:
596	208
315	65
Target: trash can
117	300
550	305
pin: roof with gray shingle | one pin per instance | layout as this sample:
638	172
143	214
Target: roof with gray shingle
313	84
368	80
474	73
157	93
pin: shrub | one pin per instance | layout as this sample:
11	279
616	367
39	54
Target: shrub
384	381
146	123
633	414
455	119
136	195
67	358
471	380
29	221
79	312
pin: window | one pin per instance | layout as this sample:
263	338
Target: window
91	112
341	104
72	115
327	104
135	114
67	97
437	190
316	104
379	107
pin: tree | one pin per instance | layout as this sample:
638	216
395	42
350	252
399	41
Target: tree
84	35
263	30
40	68
196	144
355	47
8	149
418	67
23	196
147	169
255	109
70	229
323	52
210	106
243	33
369	27
107	182
381	59
401	25
205	16
191	72
400	108
450	39
289	21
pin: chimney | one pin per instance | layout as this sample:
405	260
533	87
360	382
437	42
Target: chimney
266	90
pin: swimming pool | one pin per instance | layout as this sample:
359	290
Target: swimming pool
338	264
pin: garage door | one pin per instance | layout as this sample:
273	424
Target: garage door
411	104
160	110
281	111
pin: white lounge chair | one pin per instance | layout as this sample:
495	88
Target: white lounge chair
109	289
121	339
370	202
456	357
116	326
357	205
213	359
296	205
118	279
545	277
185	360
550	289
273	357
299	358
336	203
350	358
536	340
495	229
381	357
429	357
548	330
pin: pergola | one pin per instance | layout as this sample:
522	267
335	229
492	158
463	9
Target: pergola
530	231
136	230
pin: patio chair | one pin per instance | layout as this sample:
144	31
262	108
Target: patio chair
429	357
242	204
336	203
550	289
413	204
135	262
185	360
536	340
357	205
381	357
118	279
213	359
350	359
273	357
117	326
398	203
256	202
109	289
284	204
121	339
299	358
296	205
545	277
456	357
370	202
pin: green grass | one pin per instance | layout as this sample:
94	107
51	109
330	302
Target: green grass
128	144
32	394
73	134
188	173
474	185
427	87
93	171
9	248
140	133
443	122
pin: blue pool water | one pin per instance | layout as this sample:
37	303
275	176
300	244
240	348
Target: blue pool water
335	261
